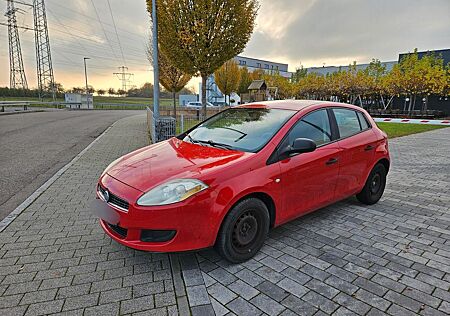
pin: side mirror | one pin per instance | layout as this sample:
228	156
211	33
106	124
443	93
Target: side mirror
300	145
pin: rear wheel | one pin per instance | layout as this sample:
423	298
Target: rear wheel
374	187
243	231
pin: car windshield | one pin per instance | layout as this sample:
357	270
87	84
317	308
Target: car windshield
243	129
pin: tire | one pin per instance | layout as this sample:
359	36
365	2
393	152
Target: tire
243	230
374	187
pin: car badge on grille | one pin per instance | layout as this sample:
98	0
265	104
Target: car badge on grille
106	195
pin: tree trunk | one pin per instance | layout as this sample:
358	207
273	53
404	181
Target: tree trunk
174	104
410	105
204	77
382	101
389	102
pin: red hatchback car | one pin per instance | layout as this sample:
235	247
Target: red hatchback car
226	181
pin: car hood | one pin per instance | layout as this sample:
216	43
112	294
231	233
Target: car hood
147	167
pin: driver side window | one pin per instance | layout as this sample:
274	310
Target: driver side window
315	126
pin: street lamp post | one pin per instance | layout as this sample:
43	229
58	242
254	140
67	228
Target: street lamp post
85	75
155	62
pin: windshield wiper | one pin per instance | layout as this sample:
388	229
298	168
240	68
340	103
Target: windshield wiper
215	144
208	142
194	141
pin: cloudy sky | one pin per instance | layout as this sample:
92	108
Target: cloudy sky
297	32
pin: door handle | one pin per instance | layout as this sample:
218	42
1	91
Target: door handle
369	147
331	161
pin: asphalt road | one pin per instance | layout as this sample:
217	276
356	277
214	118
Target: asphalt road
34	146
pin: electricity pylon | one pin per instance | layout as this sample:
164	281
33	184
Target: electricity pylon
46	80
17	77
123	76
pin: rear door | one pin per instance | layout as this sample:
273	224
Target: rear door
309	179
357	142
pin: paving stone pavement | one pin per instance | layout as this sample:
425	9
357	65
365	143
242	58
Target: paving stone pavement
347	259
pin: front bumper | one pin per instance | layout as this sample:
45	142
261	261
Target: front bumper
188	225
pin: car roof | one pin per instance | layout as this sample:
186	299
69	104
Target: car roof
295	105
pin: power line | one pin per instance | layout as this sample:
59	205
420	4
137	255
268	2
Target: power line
43	53
68	31
90	17
117	34
103	28
142	55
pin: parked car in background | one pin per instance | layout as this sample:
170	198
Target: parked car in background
198	104
228	180
222	104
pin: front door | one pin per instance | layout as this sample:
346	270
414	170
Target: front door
309	179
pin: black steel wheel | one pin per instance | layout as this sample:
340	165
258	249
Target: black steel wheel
243	230
374	187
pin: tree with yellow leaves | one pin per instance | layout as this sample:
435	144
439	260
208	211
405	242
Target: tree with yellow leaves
422	76
244	80
227	77
171	77
199	36
283	87
257	74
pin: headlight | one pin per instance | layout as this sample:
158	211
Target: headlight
172	192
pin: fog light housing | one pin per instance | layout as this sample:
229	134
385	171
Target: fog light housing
148	235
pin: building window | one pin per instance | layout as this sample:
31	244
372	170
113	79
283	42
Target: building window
266	65
258	65
277	67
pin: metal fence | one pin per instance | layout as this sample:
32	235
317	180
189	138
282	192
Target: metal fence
166	127
186	121
161	128
120	106
397	113
35	104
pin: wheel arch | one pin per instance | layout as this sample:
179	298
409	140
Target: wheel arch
264	197
385	162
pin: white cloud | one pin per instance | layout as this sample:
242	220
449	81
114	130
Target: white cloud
340	31
310	32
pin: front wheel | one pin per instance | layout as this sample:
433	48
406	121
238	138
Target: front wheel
374	187
243	231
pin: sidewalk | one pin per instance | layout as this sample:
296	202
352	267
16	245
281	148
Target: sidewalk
55	257
346	259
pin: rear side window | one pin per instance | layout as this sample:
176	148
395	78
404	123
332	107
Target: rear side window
347	122
315	126
363	121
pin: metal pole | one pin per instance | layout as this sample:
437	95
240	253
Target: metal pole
155	62
85	76
182	123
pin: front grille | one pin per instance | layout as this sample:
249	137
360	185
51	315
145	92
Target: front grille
122	232
114	199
